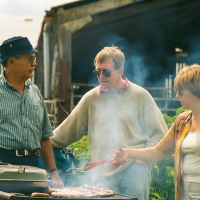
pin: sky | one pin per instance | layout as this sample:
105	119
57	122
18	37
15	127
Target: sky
13	15
19	9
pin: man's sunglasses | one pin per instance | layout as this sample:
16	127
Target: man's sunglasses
180	92
105	72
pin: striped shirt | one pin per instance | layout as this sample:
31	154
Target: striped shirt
23	118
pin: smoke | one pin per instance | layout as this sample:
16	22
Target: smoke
135	68
194	47
141	67
116	118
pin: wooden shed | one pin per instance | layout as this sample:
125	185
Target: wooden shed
158	37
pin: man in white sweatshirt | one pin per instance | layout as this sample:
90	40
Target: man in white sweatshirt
115	114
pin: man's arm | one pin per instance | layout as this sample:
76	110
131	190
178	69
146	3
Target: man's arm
49	161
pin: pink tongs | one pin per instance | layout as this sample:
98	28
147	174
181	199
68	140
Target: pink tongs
91	165
88	166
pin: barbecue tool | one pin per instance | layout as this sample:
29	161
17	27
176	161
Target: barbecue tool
88	166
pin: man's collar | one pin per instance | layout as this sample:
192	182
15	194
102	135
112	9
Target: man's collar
124	87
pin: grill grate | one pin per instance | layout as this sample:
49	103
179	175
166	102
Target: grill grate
116	196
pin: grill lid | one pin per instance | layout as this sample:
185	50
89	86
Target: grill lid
24	179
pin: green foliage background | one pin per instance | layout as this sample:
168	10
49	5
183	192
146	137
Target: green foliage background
162	187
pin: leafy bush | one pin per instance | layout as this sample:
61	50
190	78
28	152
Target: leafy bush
81	150
162	186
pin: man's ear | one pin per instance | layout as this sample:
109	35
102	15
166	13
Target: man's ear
11	60
121	71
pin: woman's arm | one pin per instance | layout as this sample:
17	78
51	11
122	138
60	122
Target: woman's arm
150	154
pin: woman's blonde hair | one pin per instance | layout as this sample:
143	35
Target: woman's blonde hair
188	78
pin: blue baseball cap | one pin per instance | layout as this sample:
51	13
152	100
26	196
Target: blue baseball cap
15	46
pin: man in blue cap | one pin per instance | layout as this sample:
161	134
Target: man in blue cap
24	125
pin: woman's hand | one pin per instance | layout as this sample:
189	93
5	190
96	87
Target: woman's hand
120	157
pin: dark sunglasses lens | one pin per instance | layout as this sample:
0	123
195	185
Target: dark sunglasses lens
96	72
180	92
106	73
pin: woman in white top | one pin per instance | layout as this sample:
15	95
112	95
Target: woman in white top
183	138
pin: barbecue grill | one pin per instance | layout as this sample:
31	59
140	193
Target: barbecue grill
116	196
29	179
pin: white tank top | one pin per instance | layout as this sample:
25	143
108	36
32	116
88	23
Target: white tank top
190	150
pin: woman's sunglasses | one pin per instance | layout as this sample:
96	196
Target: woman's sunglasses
105	72
180	92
